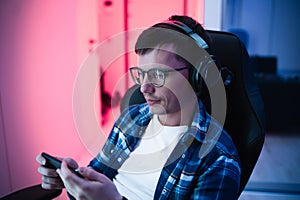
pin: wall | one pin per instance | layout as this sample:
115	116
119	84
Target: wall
213	14
39	62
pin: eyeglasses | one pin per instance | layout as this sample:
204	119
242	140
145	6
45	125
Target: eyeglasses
156	77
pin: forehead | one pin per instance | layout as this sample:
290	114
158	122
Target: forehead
166	55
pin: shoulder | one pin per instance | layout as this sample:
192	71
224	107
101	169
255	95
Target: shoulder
137	114
135	111
225	145
220	143
222	159
219	167
132	117
215	148
211	135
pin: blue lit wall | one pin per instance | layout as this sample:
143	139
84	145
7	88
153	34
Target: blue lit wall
273	27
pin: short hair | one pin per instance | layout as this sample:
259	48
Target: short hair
187	50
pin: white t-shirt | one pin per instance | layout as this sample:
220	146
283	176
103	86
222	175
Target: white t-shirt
138	176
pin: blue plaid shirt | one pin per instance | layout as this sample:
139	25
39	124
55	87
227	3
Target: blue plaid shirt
208	166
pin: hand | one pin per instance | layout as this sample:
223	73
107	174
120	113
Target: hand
93	186
50	179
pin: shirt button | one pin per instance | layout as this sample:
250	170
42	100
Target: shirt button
119	159
111	151
164	191
183	156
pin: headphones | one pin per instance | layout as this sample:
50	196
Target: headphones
205	65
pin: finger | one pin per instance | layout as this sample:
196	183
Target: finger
47	172
40	159
50	180
66	174
71	181
71	163
47	186
92	175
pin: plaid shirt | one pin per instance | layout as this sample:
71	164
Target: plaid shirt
203	165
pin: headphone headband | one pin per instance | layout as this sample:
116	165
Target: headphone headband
179	25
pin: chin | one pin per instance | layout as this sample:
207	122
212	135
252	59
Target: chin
157	110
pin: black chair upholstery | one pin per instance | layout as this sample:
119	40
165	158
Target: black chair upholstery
35	192
245	111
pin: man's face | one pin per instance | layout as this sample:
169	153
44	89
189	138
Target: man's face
176	93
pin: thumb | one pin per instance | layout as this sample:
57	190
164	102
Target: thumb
71	163
92	175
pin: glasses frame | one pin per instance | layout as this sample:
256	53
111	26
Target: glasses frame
143	72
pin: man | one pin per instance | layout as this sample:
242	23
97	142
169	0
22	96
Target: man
169	147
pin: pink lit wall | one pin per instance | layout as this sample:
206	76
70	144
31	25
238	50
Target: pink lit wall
42	45
38	66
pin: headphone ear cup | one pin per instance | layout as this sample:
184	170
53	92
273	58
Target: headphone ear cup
206	73
195	79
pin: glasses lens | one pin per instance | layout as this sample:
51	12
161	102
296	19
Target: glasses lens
156	77
137	75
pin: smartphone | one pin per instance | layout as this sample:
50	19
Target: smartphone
54	163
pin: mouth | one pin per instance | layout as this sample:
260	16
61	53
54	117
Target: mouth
151	101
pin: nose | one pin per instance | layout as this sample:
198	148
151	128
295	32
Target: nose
147	87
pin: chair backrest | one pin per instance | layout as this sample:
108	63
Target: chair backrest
245	111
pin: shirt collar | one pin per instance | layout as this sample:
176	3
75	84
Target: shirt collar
139	117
